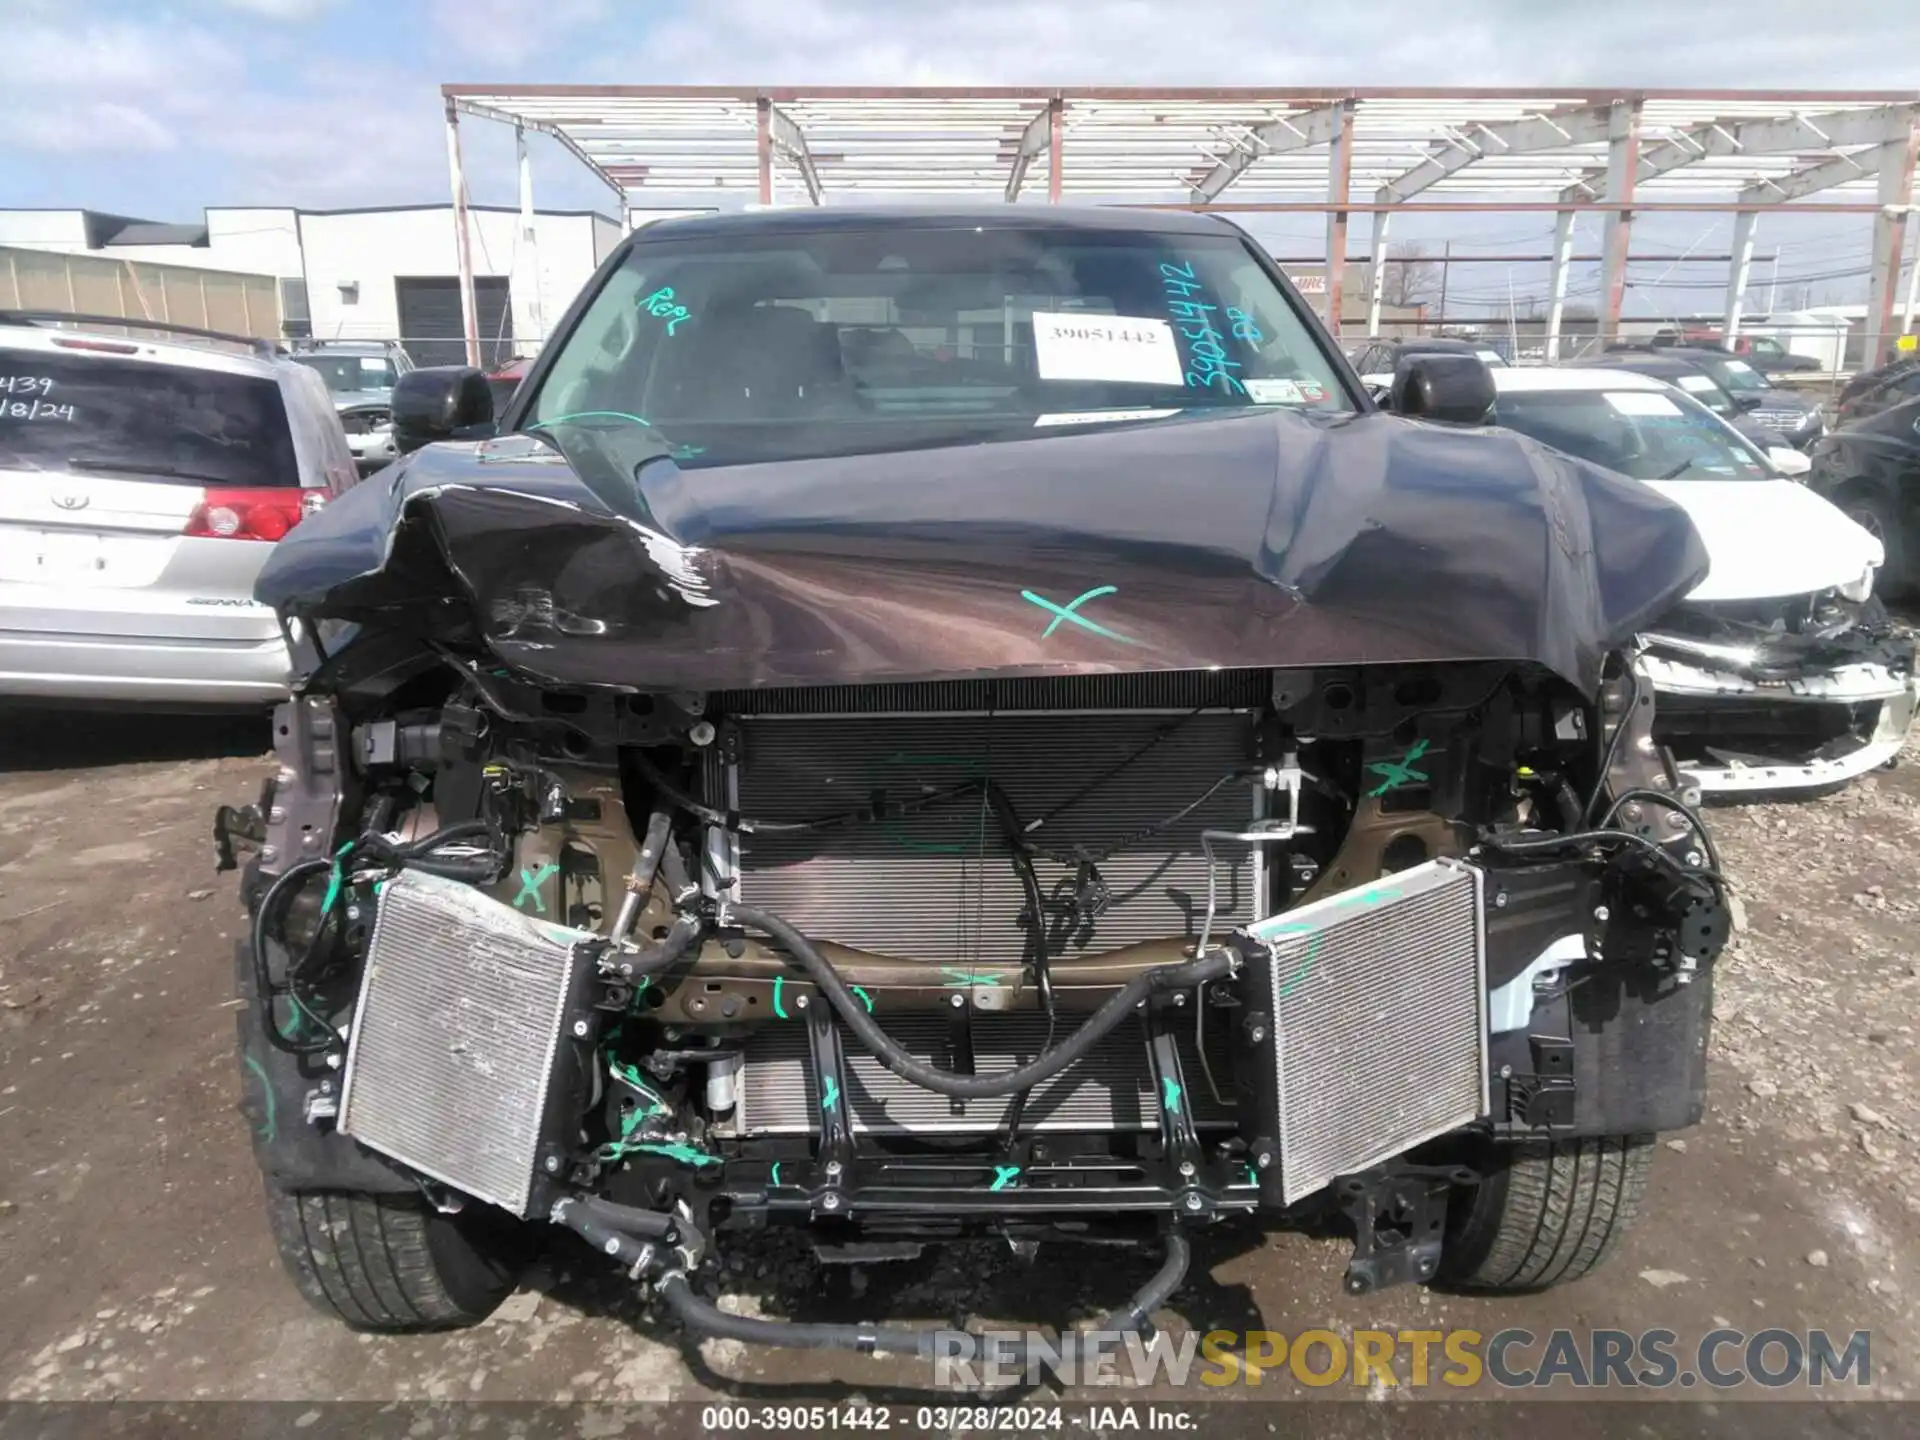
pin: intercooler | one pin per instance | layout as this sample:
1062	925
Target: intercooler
1110	1089
456	1036
1379	1038
1094	788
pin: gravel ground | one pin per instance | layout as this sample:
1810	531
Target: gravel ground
136	1262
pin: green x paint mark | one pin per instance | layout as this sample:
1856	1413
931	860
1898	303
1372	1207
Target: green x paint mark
960	978
779	984
865	999
1169	1094
1003	1176
832	1097
530	883
1396	773
1069	612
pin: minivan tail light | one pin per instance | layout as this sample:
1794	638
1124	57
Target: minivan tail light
251	514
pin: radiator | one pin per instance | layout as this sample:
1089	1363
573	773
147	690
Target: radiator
1380	1033
1110	1089
455	1035
937	886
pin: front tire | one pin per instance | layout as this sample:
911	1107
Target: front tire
388	1263
1552	1212
1877	517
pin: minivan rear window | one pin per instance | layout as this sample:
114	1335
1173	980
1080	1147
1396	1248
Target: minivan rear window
100	414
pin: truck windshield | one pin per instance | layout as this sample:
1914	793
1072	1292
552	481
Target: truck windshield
788	345
1644	434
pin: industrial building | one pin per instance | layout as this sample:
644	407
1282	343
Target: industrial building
382	273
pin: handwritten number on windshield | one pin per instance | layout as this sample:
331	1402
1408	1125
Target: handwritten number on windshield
1207	362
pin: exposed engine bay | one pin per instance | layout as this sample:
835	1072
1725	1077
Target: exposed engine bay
1775	694
1064	957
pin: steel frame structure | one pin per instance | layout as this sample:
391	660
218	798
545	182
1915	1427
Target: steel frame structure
1334	152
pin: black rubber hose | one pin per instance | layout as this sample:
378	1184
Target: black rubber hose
970	1087
655	958
705	1319
654	1224
604	1236
279	895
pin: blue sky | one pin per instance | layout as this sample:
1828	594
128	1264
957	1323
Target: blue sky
161	108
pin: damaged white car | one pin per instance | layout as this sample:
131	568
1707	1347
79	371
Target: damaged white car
1780	671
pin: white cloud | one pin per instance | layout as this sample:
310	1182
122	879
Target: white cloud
278	9
1230	42
508	32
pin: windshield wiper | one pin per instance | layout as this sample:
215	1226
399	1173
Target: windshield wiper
137	470
1678	470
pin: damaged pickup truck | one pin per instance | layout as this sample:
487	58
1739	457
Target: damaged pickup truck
928	725
1781	670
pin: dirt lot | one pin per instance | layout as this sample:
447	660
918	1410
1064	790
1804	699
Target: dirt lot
135	1260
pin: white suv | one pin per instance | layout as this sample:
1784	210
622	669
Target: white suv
142	485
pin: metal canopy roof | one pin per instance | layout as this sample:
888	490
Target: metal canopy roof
1339	152
1190	145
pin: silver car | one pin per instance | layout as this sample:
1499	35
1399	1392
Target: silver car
142	485
360	375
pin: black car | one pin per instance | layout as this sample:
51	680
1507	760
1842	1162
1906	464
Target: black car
1871	470
1789	414
1665	364
1871	391
966	722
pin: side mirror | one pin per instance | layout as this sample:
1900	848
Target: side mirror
1747	400
1457	389
1789	462
444	402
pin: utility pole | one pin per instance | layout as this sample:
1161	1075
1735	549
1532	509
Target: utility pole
1446	269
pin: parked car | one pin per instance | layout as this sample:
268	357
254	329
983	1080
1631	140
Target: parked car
1787	413
1685	375
1764	353
360	375
1871	391
1870	468
974	725
505	379
1377	358
1780	671
142	484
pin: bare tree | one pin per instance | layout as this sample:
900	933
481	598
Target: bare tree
1411	276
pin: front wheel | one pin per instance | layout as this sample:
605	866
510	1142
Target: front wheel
1546	1212
1876	516
389	1262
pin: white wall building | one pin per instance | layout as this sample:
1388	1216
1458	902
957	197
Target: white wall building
365	274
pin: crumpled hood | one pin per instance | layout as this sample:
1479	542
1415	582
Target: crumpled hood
1262	538
1771	538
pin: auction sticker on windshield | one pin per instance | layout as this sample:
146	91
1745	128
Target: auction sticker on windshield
1274	391
1641	402
1123	349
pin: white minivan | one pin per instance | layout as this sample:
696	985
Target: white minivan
142	484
